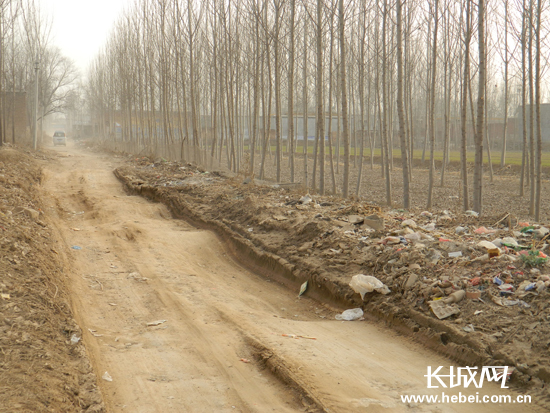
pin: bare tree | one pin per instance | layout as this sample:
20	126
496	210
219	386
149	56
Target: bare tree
400	105
478	163
464	106
343	89
432	105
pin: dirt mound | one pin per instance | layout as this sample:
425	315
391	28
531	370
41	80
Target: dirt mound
43	367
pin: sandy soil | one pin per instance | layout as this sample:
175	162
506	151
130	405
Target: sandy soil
219	344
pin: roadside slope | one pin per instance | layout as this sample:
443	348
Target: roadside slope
41	370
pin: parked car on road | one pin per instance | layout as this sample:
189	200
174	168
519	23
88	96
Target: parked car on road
59	138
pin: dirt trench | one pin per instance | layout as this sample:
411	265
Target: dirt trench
173	323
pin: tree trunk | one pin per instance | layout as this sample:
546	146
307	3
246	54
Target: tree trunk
385	107
464	109
345	134
523	101
320	130
537	111
478	165
506	62
290	111
531	116
432	106
305	105
400	107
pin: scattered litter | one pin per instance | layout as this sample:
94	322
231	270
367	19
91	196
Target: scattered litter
74	339
471	213
94	333
303	289
509	242
433	256
487	245
533	257
107	377
409	223
245	360
506	287
493	252
136	276
113	304
505	302
455	297
5	296
76	247
75	229
483	230
473	295
455	254
443	310
306	199
509	372
156	323
469	328
429	227
350	315
475	281
375	222
355	219
461	230
363	284
296	336
478	312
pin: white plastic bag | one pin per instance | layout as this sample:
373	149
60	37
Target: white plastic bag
350	315
363	284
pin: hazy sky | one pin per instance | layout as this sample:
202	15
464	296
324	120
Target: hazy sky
81	27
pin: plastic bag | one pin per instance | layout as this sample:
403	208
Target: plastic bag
363	284
350	315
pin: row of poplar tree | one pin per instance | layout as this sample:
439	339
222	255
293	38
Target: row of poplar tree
394	74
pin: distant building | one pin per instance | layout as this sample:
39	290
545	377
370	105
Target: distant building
544	121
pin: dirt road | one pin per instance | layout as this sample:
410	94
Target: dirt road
133	265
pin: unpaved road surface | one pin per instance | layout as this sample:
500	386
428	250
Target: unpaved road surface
133	265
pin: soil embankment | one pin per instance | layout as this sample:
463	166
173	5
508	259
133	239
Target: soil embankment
43	364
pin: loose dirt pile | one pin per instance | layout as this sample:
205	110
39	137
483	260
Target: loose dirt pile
486	278
43	366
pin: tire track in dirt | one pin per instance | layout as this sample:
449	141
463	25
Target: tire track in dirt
137	265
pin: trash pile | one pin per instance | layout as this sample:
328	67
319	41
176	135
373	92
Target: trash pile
428	259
